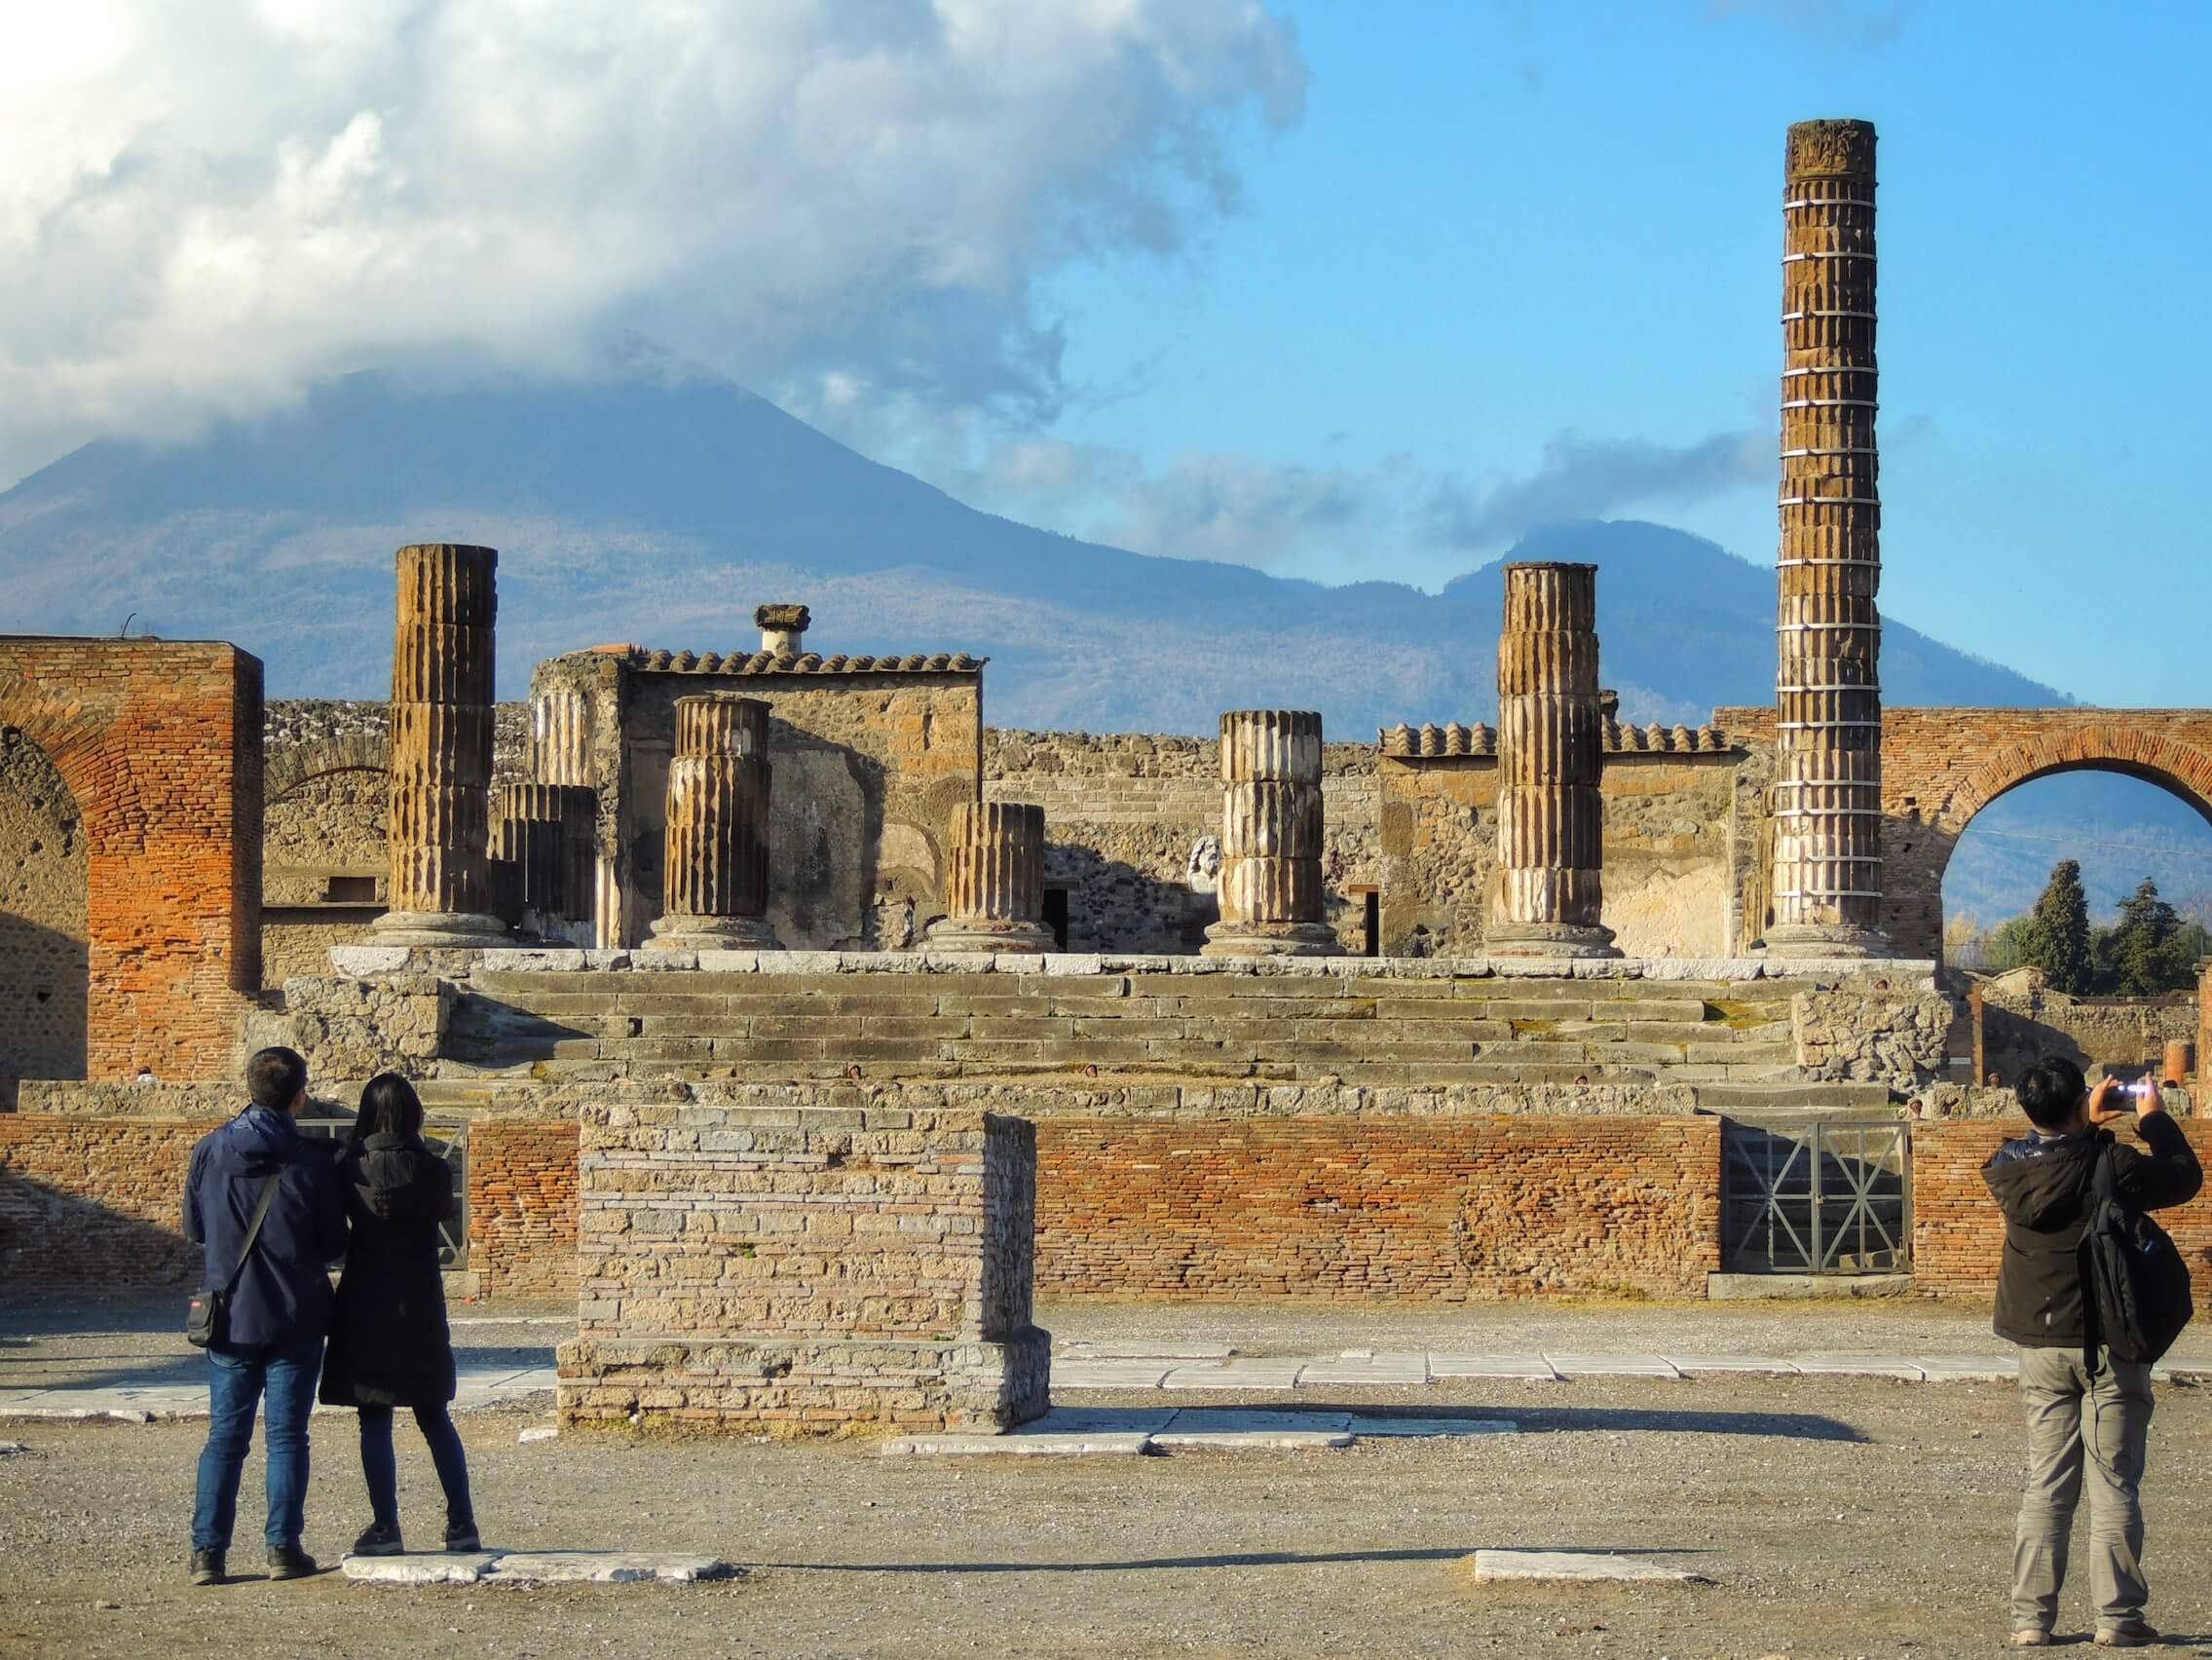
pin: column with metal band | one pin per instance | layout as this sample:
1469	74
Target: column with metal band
1548	893
715	864
1271	838
993	880
441	750
1828	826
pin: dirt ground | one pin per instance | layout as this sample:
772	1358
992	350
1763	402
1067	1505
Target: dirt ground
1831	1517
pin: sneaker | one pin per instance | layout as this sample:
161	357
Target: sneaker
207	1566
289	1562
463	1538
2031	1636
2134	1634
380	1538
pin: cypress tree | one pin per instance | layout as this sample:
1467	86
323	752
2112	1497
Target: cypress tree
2146	951
2058	931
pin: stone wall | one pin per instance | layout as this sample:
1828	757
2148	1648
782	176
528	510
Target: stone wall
1439	1209
96	1204
349	1030
522	1206
774	1263
159	743
2018	1021
42	953
1866	1031
1958	1234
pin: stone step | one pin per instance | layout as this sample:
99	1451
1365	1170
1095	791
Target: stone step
1749	1100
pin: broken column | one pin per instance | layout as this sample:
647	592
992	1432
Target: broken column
1271	835
1549	892
993	880
1827	863
715	871
547	834
441	750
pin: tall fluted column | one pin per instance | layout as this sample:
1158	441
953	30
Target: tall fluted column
547	832
993	880
715	870
1549	892
441	750
1827	867
1271	838
560	737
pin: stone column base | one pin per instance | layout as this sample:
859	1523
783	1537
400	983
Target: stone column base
1271	939
975	933
712	934
441	930
1824	939
1549	939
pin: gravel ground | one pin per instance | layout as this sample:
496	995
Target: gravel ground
1831	1516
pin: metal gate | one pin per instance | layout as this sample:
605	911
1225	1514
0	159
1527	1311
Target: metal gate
1816	1196
450	1142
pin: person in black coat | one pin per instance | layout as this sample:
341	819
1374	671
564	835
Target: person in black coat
389	1344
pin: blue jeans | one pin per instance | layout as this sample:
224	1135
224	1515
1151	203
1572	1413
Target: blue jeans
381	1471
235	1381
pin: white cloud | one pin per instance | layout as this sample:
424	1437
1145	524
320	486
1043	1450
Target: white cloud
203	207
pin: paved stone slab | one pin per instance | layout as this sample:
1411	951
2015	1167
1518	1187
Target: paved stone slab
1448	1365
1244	1373
1016	1444
1078	1374
601	1567
1851	1363
424	1569
1969	1368
1568	1364
1385	1427
1234	1420
1573	1565
538	1432
1255	1441
1733	1363
1099	1421
1390	1368
1146	1351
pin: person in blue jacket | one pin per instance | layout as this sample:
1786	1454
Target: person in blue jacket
279	1310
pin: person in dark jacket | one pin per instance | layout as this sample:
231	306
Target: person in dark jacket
391	1346
2042	1182
279	1306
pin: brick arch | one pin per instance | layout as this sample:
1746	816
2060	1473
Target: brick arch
299	764
2140	751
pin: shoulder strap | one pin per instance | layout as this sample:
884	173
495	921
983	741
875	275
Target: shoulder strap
2103	1183
253	1227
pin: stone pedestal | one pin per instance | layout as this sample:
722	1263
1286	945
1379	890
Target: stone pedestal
1271	838
441	750
1827	863
994	879
715	871
1549	892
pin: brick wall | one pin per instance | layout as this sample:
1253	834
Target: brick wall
160	744
95	1203
1957	1235
1448	1210
43	960
522	1206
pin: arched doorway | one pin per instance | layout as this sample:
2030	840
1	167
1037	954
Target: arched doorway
45	972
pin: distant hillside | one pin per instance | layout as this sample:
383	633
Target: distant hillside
663	513
2120	830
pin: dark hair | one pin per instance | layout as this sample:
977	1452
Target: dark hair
390	1107
275	1078
2050	1091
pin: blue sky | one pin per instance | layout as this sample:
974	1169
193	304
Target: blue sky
1498	226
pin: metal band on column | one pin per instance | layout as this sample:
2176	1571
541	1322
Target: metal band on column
1271	838
994	879
715	875
1549	892
1827	863
441	750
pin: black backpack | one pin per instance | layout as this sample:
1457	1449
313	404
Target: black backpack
2137	1281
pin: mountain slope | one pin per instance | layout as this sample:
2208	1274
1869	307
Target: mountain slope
663	513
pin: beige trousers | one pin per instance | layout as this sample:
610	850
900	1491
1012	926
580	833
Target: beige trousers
2081	1426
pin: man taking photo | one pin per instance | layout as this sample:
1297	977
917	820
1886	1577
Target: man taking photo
276	1304
2089	1413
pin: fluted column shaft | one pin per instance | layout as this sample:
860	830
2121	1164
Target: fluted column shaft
715	867
993	880
441	746
1828	886
549	832
560	737
1270	887
1549	894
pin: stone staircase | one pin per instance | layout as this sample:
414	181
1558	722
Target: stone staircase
1731	1040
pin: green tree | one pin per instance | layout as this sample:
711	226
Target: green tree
2005	946
2057	939
2146	953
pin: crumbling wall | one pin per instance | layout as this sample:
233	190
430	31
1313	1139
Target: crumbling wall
1864	1031
2022	1021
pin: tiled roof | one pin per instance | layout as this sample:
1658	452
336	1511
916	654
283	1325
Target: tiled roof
1422	741
803	662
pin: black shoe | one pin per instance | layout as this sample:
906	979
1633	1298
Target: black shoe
289	1562
207	1567
463	1538
380	1538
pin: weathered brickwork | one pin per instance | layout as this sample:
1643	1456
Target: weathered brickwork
522	1206
95	1203
1442	1209
1957	1235
777	1264
160	745
43	957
